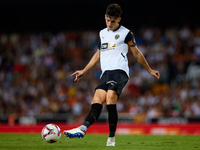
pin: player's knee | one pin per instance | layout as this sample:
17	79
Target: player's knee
111	102
111	97
98	101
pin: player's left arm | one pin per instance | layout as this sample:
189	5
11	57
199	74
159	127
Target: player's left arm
130	40
141	59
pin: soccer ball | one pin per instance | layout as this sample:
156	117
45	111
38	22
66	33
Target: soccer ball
51	133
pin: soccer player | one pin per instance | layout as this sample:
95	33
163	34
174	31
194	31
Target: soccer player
114	43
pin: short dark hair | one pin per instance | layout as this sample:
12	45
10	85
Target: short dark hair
114	10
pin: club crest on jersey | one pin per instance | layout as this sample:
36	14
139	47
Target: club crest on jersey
116	36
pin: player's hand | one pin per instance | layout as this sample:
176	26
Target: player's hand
78	74
155	73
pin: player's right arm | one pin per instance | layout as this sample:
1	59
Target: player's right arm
93	61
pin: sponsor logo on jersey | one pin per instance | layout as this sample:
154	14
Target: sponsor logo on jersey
108	46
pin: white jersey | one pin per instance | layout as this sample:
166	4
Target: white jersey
114	48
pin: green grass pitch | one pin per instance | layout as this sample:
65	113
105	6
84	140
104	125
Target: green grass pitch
98	142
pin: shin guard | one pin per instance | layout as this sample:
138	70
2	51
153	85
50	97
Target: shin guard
93	114
112	119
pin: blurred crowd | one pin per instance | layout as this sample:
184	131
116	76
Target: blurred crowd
35	71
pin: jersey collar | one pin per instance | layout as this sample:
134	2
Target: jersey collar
115	29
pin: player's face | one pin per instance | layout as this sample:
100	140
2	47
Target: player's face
111	22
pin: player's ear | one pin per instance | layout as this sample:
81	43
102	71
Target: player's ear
119	19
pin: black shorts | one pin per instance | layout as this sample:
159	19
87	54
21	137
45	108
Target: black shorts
113	80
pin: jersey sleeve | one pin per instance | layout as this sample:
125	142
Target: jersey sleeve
130	39
99	44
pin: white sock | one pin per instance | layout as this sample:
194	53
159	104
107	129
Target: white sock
83	127
112	138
